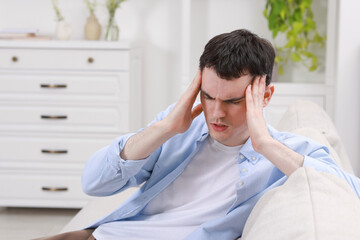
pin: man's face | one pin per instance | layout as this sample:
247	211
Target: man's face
224	106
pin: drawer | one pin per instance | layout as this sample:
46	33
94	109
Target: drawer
44	190
70	59
64	87
48	151
57	119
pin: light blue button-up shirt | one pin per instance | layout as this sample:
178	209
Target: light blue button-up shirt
106	174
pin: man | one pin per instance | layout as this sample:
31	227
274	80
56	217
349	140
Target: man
204	167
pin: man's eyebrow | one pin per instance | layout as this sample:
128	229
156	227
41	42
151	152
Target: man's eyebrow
227	100
206	94
234	99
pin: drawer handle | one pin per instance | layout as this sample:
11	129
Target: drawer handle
54	151
53	85
55	189
90	60
53	117
14	59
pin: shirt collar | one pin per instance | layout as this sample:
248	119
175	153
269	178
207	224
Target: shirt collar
204	131
249	153
247	150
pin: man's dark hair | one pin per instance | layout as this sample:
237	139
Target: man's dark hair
238	53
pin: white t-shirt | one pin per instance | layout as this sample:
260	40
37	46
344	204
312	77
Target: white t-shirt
205	190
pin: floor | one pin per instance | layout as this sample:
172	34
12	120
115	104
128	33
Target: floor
29	223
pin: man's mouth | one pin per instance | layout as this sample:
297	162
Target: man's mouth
219	127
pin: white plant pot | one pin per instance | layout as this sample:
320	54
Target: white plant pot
63	30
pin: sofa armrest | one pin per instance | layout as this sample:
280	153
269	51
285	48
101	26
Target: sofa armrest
310	205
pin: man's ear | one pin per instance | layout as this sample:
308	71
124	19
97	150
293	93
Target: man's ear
269	91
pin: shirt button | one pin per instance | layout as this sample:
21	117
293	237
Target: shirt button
253	158
243	170
240	183
242	156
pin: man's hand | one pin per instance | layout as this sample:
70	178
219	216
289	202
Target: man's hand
181	117
280	155
254	113
142	144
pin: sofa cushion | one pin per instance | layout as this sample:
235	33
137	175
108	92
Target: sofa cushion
97	208
308	119
310	205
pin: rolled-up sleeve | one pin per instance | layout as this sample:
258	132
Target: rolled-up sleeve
317	156
321	161
106	173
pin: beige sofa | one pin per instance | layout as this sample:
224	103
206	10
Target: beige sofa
310	205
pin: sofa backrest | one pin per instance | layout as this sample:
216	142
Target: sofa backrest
310	120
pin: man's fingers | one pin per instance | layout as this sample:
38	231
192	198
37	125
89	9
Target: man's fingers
263	84
189	96
263	88
255	86
196	111
255	90
258	90
196	81
195	85
249	99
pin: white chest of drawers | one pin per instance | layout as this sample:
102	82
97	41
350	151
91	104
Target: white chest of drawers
59	103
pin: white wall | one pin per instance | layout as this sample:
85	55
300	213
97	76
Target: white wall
208	20
347	110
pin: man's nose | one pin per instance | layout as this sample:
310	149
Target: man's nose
219	111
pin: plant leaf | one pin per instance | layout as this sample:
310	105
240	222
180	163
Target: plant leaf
312	68
295	57
281	70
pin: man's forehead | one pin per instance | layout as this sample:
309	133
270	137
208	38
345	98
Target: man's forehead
224	93
226	86
211	75
213	84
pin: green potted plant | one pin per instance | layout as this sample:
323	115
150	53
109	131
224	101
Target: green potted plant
92	27
294	19
112	29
